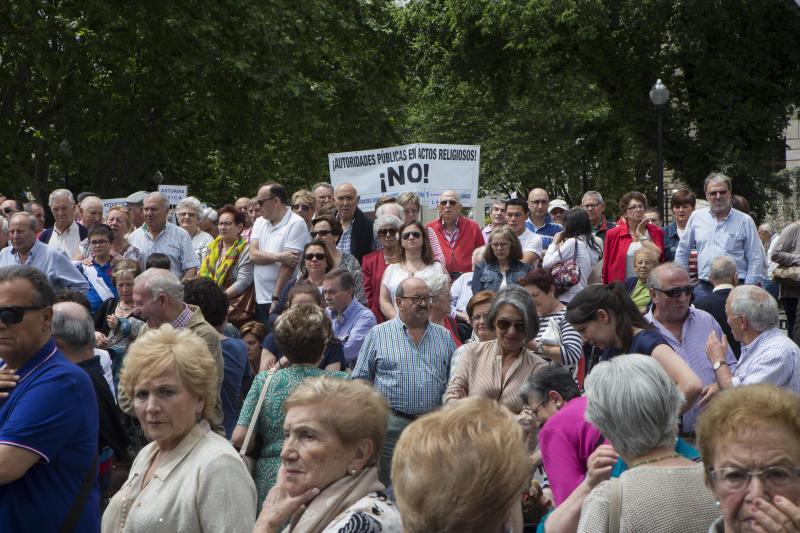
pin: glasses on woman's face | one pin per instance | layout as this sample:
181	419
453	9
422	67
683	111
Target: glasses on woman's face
225	223
503	325
187	214
409	234
300	207
387	233
479	317
99	242
774	478
315	257
636	207
539	406
320	233
500	244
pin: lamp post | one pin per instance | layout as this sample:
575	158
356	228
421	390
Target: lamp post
659	95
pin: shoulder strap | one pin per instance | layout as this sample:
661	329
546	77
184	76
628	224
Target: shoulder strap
80	499
254	419
615	505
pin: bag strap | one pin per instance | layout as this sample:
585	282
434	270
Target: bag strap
80	500
615	505
254	419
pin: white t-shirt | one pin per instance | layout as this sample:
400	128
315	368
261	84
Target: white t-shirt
531	242
394	275
291	233
587	257
200	243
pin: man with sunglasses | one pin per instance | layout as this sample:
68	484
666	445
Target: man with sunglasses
407	359
685	328
48	417
25	249
276	241
717	230
356	236
9	207
458	236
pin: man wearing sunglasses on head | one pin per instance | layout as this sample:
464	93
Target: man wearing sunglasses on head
685	328
458	236
48	417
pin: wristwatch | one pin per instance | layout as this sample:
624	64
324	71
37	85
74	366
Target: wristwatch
716	366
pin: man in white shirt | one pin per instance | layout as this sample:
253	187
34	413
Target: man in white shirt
66	234
516	215
277	239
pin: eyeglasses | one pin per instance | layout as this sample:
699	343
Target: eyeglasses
591	207
478	318
300	207
503	324
677	291
417	300
387	233
773	477
226	223
320	233
636	208
538	408
410	234
261	201
444	203
318	257
8	210
13	314
500	244
187	214
99	243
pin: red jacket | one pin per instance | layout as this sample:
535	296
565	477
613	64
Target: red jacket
459	257
373	265
616	249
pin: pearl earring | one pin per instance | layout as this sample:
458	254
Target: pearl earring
352	471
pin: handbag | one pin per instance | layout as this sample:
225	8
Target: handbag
250	460
242	307
567	273
614	505
787	275
552	334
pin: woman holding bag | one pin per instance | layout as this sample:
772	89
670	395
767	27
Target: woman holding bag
575	245
228	264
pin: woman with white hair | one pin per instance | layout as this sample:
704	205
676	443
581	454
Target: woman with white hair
190	213
439	290
373	265
635	404
499	368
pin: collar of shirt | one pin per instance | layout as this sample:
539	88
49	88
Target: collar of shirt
150	235
765	336
183	319
722	287
38	359
400	324
173	458
37	244
547	220
67	231
346	314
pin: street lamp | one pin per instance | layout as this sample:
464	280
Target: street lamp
659	95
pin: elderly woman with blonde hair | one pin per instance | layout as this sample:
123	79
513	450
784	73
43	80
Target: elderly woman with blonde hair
328	479
462	469
189	478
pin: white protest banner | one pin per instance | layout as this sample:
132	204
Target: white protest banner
175	193
111	202
426	169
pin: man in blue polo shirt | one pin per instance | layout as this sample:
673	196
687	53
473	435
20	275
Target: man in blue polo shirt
48	417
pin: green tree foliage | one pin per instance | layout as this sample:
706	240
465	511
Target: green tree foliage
221	95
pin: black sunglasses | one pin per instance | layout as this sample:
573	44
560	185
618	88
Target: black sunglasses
448	202
8	210
410	234
261	201
13	314
503	324
674	293
300	207
320	233
387	232
318	257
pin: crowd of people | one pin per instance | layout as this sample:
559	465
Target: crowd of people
287	363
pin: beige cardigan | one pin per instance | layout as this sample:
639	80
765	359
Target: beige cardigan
201	485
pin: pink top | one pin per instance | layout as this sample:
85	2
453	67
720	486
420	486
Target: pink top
567	440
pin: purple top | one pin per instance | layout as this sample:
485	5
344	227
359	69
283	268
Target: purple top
567	440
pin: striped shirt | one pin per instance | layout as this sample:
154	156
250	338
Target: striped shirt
479	373
771	358
411	377
697	325
571	342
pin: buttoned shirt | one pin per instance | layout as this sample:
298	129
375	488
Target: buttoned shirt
344	241
52	262
692	348
771	358
182	320
546	231
350	327
735	236
450	236
173	241
412	377
68	240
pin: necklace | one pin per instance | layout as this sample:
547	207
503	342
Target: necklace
124	307
656	459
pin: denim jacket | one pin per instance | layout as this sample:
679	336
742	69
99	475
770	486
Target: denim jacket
487	276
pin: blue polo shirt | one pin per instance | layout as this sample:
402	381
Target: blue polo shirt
52	412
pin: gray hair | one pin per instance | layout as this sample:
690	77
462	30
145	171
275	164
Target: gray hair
654	279
73	325
519	299
157	281
717	176
60	193
322	184
478	254
4	224
386	220
634	404
437	284
592	194
756	305
161	196
391	208
723	268
29	218
769	228
91	200
43	294
190	202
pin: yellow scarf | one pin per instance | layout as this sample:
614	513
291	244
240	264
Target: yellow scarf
210	269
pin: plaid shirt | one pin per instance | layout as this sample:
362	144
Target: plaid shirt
344	240
183	319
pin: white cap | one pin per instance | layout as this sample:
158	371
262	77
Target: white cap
558	203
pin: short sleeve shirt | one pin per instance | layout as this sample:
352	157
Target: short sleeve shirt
173	241
291	233
53	413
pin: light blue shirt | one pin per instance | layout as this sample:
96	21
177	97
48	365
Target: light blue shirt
412	378
351	327
52	262
735	236
173	241
771	358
